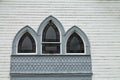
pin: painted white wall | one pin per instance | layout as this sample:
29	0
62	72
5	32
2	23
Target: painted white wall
99	19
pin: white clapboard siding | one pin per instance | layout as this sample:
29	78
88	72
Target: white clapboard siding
99	19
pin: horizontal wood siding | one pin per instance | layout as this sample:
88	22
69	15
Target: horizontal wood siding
99	19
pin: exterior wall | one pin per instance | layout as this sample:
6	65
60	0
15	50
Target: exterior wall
99	19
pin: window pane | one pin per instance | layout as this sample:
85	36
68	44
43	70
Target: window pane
50	33
26	44
50	48
75	44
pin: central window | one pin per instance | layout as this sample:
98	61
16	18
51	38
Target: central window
50	39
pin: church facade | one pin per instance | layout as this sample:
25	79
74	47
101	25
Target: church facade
59	40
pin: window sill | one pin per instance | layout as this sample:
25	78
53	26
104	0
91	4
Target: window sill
26	54
66	54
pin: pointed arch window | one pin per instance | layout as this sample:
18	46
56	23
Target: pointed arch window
75	44
26	44
50	39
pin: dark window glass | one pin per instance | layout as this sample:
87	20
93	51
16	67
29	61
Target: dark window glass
51	48
26	44
75	44
51	33
50	39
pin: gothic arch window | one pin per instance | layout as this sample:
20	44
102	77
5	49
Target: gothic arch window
75	44
50	39
26	44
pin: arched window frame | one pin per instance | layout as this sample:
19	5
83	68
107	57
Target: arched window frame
82	36
18	37
63	38
59	27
